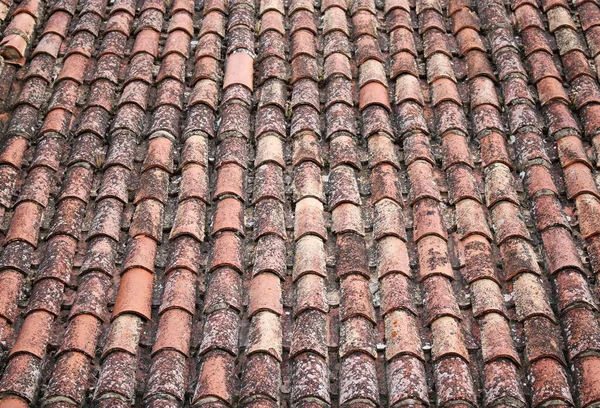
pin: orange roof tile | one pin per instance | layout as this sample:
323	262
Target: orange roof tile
360	203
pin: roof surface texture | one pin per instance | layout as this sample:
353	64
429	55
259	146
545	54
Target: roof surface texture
299	204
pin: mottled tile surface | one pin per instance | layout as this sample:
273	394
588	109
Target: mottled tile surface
288	203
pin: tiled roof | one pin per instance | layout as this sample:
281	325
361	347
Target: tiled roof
359	203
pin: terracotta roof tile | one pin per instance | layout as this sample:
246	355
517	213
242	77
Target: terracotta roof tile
319	226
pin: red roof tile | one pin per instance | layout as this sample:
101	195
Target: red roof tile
339	204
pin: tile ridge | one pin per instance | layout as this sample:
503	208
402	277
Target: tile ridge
498	346
474	234
55	271
308	349
89	310
449	352
30	346
404	357
563	259
358	380
132	309
223	307
262	370
168	380
545	368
